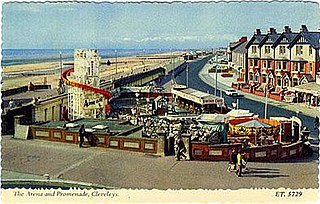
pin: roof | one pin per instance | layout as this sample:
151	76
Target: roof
311	87
198	96
214	118
308	77
254	124
273	37
235	45
288	35
255	39
313	38
26	97
240	113
241	48
112	127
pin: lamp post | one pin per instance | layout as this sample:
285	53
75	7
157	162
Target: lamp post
187	71
216	89
266	103
60	63
116	52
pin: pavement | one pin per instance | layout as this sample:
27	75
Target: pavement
31	159
224	83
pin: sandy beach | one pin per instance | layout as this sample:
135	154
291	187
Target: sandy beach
21	75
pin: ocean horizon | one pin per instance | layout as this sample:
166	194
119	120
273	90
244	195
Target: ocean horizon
12	57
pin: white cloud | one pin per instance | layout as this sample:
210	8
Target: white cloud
179	38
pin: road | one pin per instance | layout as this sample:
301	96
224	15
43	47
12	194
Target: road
256	107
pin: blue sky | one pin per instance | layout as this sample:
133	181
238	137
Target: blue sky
146	25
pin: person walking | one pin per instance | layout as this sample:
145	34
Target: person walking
232	160
181	148
82	133
239	160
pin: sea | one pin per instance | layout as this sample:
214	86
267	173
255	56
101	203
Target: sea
28	56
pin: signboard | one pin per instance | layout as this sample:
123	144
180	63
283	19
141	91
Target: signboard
261	154
93	103
215	152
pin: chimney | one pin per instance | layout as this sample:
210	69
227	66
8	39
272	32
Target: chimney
303	28
286	29
272	31
243	39
258	32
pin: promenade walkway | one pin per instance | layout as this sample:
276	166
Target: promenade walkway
225	83
123	169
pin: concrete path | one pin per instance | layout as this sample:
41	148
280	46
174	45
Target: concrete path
123	169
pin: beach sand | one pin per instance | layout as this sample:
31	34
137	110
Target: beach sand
125	66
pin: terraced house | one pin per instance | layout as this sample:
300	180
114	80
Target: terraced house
279	61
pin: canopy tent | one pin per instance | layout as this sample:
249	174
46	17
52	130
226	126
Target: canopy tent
254	124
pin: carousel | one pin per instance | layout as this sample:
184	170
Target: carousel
253	132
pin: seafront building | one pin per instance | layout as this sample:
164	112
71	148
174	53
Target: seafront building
278	62
237	55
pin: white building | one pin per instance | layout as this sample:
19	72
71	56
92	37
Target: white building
84	101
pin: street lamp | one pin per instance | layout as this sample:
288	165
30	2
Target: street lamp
60	63
187	71
266	104
116	52
216	89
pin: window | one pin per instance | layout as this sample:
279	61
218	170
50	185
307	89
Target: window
310	67
284	65
52	113
251	62
310	50
45	114
299	50
255	62
251	76
254	49
269	62
91	70
295	66
264	64
282	49
295	82
279	65
267	50
264	79
301	67
278	81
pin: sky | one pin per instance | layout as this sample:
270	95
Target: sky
147	25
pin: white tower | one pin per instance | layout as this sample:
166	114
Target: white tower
84	101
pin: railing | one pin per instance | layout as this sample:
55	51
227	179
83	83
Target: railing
203	151
145	145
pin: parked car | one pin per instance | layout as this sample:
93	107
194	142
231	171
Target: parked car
231	92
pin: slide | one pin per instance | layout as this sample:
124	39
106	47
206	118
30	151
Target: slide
68	82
